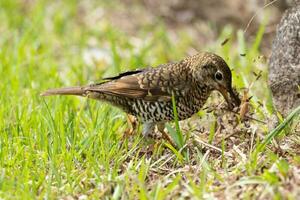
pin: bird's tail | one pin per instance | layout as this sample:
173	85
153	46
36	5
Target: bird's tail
77	90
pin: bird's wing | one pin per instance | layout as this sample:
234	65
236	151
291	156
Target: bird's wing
124	74
155	84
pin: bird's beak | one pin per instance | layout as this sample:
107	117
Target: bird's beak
231	98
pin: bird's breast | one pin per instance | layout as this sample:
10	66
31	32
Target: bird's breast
162	111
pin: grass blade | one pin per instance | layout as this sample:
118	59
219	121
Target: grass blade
278	129
178	136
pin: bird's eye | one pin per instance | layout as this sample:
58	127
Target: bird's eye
218	76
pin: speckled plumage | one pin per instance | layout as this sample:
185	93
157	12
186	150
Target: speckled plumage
147	93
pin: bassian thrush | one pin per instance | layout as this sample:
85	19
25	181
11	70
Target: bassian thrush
147	93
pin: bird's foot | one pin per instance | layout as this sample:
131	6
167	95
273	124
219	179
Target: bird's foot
128	132
149	131
133	123
165	136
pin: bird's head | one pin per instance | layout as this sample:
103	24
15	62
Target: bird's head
211	70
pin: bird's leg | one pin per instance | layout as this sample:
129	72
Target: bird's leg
133	125
161	128
148	129
147	132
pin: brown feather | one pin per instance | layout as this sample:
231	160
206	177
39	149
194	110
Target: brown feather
77	90
151	84
127	86
154	84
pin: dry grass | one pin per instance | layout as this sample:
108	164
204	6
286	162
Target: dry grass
71	148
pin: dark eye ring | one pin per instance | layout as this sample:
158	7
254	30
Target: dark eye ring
218	76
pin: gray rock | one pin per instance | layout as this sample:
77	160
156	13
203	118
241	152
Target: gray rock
284	64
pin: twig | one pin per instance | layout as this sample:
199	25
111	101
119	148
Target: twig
211	146
248	117
252	18
205	156
227	136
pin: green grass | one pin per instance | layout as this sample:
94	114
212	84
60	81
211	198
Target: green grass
63	147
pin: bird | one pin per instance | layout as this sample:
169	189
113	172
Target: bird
147	93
